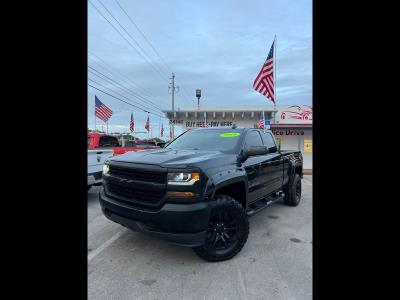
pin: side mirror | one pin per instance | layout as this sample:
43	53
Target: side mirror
255	150
272	149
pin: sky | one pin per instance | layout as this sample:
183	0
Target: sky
216	46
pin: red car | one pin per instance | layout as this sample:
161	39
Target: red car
103	140
296	112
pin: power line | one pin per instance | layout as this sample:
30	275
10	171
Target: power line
134	40
183	88
151	109
122	76
104	92
114	86
121	94
143	35
161	74
151	45
135	94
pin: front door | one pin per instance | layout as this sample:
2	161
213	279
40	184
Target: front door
273	165
253	166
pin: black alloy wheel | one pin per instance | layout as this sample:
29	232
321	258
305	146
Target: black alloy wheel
222	233
227	230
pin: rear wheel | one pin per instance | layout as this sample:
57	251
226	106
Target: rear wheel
227	231
293	191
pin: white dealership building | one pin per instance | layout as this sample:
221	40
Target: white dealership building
292	125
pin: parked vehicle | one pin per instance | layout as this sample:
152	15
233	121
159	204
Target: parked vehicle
135	146
101	146
201	188
96	159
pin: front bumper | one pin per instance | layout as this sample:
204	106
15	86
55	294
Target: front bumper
94	178
181	224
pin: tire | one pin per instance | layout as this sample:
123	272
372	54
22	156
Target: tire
293	191
223	243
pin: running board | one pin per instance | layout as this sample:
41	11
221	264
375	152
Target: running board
263	203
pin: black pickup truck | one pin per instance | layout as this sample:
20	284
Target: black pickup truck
199	190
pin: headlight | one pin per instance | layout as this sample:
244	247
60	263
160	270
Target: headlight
183	178
106	169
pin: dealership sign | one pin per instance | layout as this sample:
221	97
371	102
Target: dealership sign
295	114
193	124
278	132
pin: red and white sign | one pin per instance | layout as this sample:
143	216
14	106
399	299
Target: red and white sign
294	114
278	132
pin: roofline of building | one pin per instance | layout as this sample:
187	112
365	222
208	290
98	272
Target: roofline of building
288	125
219	110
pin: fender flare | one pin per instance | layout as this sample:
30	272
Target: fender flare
225	178
291	171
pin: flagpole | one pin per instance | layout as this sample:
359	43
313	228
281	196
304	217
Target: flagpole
275	80
263	121
95	114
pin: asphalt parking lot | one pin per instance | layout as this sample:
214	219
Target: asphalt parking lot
275	263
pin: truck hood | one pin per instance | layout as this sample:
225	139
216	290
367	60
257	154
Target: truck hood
175	158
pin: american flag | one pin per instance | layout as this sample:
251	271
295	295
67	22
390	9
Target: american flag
101	110
264	82
162	129
147	125
261	122
132	124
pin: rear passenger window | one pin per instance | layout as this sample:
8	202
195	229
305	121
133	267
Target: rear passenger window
253	138
268	140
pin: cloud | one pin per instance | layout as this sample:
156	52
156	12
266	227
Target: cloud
217	46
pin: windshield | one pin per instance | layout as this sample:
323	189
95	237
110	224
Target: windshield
224	140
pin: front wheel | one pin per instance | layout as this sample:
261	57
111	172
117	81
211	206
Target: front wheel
227	230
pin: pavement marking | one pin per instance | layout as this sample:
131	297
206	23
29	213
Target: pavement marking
241	282
98	250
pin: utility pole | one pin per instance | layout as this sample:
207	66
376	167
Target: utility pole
173	88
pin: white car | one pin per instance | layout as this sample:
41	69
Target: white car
96	159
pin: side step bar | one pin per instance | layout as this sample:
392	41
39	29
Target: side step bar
263	203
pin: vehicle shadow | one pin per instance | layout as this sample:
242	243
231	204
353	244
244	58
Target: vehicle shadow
163	252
